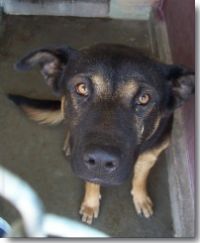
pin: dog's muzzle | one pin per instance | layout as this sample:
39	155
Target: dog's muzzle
102	165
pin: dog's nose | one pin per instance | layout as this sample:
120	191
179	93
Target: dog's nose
100	159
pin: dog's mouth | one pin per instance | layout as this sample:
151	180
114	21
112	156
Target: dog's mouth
102	182
104	165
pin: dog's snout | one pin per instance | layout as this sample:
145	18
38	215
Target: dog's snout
101	160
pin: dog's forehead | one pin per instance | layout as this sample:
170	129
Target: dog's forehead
112	83
105	87
116	62
102	85
117	70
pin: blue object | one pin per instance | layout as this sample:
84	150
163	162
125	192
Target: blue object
4	227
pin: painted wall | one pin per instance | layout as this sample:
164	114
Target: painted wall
180	19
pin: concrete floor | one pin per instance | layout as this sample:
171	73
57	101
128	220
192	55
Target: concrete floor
34	152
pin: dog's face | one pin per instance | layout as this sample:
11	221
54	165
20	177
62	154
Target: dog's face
116	102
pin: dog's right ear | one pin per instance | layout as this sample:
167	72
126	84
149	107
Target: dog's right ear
51	62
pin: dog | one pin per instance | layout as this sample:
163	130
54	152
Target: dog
117	104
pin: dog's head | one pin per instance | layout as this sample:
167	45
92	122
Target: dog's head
117	101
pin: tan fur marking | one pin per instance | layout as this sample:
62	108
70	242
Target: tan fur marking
63	105
145	162
46	117
91	202
155	127
128	89
140	128
101	85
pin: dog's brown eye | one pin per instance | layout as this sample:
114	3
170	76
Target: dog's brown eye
81	89
144	99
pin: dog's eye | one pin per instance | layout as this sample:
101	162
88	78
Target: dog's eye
144	99
82	89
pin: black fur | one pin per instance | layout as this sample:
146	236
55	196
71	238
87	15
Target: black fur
34	103
108	127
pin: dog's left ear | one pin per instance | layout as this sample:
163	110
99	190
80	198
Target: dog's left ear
182	83
51	62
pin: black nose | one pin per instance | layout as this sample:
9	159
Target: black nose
100	159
